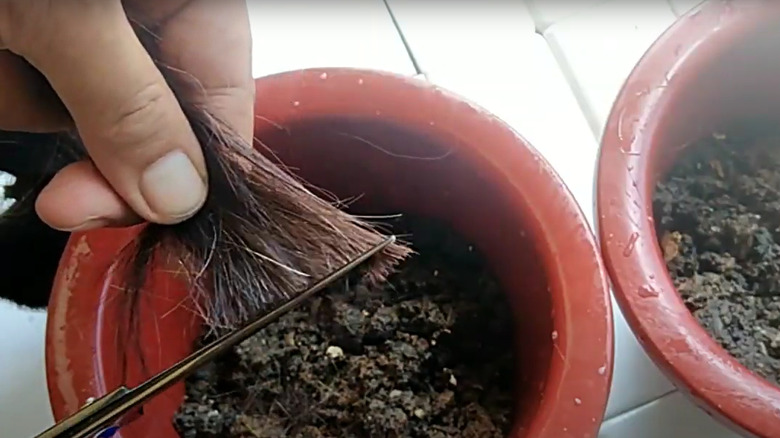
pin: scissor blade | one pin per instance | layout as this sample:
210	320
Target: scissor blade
88	426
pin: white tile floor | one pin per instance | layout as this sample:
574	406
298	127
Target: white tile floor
548	68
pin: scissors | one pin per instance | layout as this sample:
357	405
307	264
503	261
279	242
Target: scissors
102	417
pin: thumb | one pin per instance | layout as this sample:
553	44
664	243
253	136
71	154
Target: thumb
132	126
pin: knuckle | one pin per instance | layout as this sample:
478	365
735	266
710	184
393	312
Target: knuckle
21	22
140	119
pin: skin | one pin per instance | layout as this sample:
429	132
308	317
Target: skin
145	163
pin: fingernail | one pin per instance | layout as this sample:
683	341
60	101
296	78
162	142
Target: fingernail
89	224
173	187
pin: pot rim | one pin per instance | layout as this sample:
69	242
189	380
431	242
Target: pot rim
642	285
578	385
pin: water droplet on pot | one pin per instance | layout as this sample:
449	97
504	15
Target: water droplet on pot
296	103
554	335
647	292
602	370
324	76
360	81
577	401
631	244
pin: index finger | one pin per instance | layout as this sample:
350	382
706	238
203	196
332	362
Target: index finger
218	56
127	116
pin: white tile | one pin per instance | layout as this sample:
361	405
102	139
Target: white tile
635	379
468	38
599	48
547	13
24	400
670	417
295	34
680	7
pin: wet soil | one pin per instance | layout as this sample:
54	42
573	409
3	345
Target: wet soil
718	219
428	354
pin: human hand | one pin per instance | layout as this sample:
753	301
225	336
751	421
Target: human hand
145	161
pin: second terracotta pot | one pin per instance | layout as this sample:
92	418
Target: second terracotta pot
717	65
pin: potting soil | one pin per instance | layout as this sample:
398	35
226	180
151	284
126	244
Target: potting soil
718	220
428	354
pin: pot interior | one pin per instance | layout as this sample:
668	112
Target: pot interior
388	169
730	81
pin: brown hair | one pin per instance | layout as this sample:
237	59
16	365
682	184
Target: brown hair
261	237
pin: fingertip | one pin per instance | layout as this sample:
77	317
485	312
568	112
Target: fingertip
173	188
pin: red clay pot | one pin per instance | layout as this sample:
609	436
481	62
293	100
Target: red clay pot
718	64
406	146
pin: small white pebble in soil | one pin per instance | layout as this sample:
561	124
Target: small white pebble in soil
435	272
453	380
395	393
471	248
289	339
718	136
334	352
577	401
554	335
324	76
365	313
419	413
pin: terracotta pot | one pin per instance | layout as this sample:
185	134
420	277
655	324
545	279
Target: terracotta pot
716	65
406	146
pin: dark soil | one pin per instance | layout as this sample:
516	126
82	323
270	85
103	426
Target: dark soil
718	217
427	355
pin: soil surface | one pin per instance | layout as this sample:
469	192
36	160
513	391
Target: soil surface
718	218
429	354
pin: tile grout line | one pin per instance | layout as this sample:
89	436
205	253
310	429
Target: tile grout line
637	407
404	41
571	81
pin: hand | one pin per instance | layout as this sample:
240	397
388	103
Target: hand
145	161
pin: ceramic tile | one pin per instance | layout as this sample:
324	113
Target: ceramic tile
547	13
294	34
24	400
635	379
598	49
680	7
471	39
670	417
